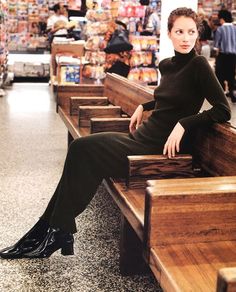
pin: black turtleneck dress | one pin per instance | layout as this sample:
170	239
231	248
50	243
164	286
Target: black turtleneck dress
186	81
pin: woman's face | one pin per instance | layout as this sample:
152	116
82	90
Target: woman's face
183	34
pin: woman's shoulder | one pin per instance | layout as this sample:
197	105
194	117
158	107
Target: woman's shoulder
201	60
200	63
164	63
201	67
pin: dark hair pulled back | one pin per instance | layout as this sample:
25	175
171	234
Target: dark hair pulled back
183	11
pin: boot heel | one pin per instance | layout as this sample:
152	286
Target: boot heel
67	249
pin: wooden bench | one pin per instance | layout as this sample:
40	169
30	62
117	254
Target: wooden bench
182	266
71	99
192	231
215	155
201	239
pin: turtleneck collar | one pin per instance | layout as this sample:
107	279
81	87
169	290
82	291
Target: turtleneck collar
183	58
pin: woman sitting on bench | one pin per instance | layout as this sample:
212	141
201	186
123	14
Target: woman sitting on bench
187	79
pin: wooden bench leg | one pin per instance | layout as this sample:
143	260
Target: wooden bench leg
131	249
69	139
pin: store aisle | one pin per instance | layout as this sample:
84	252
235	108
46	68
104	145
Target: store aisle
32	152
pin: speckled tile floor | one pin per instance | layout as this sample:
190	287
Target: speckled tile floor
32	152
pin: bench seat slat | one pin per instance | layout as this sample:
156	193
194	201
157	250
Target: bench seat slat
220	180
130	202
71	123
191	267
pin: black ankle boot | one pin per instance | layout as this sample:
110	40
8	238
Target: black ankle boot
30	241
55	239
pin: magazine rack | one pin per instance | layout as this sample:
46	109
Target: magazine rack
69	70
70	49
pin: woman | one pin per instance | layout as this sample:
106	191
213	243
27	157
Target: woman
186	81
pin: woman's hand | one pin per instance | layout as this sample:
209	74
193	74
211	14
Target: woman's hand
136	119
172	144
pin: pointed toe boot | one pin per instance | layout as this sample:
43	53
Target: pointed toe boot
30	241
54	240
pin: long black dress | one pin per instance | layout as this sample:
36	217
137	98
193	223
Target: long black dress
186	81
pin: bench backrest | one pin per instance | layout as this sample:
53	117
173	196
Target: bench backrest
215	149
125	93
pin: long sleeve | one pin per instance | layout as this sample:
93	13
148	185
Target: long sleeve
150	105
217	39
147	106
210	89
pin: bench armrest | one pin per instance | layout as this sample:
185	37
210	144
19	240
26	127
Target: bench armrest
144	167
109	124
75	102
87	112
190	210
